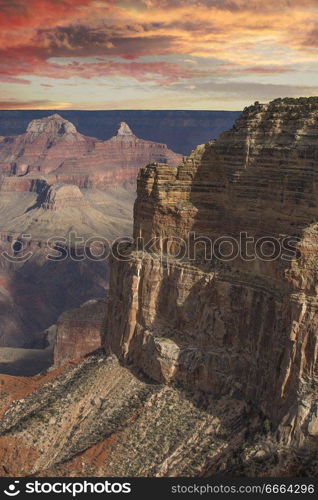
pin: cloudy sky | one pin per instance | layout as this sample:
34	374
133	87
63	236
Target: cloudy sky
156	54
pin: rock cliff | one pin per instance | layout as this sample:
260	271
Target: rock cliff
55	182
244	324
79	331
43	147
114	162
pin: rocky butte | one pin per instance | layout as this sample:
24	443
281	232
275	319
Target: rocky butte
210	366
248	326
52	149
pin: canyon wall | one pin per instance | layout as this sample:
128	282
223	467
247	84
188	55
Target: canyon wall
242	324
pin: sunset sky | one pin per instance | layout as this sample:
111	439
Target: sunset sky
156	54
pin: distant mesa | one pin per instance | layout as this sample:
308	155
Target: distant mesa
53	149
54	125
63	196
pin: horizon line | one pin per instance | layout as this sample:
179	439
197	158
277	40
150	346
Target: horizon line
122	109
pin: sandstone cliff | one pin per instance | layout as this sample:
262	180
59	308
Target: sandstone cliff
79	331
235	325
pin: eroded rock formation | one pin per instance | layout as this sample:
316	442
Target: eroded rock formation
239	324
61	196
79	331
180	130
43	147
52	147
48	182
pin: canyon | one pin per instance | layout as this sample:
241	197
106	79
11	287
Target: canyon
58	186
209	362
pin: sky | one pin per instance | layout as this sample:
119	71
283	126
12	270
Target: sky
156	54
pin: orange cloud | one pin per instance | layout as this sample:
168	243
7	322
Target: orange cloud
33	104
152	40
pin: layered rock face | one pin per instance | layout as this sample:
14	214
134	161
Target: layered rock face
114	162
243	323
79	331
61	196
228	343
52	147
43	147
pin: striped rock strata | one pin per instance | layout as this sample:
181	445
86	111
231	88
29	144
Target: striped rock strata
51	148
243	325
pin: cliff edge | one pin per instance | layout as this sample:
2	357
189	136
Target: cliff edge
240	320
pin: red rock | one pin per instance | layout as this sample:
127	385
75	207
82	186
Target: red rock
43	147
52	148
41	173
79	331
233	344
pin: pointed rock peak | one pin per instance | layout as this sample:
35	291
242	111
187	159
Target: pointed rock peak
55	116
54	125
124	129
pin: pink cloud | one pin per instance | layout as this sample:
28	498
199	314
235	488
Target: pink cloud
12	79
36	31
